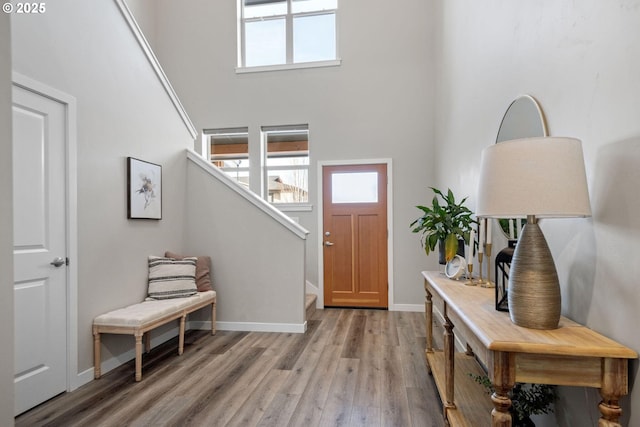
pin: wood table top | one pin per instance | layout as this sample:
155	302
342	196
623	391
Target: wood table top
475	305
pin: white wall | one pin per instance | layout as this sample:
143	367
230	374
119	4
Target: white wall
6	226
86	50
257	265
581	60
377	104
145	14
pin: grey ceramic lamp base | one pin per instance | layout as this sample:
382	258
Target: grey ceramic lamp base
534	290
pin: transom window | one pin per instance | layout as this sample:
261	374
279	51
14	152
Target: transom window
277	32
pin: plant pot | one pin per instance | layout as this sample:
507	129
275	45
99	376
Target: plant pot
441	250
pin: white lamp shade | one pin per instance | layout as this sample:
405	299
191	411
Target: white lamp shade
544	177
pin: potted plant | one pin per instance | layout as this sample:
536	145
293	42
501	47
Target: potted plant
446	223
526	400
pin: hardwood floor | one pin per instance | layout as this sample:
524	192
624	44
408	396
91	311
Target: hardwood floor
351	368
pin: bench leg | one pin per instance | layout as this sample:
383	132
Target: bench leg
183	320
213	318
138	336
96	354
147	342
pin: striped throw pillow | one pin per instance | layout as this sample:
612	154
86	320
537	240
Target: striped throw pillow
171	278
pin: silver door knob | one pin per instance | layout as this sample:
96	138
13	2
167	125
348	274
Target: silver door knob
328	243
57	262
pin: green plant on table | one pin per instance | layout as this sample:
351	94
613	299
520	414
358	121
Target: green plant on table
445	220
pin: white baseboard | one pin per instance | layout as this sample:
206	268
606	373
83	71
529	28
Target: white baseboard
84	377
298	328
418	308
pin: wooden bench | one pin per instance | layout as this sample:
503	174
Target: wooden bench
138	319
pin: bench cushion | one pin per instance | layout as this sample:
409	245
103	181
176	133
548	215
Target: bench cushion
142	313
146	312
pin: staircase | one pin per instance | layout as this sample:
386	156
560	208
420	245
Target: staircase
310	305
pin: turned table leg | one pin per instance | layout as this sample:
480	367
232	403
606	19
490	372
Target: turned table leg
614	385
428	313
503	374
428	310
449	368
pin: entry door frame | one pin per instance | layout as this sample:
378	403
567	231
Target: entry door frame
71	207
319	235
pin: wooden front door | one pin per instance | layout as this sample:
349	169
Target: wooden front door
355	235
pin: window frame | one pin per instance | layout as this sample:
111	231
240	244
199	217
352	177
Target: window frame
264	135
289	18
210	134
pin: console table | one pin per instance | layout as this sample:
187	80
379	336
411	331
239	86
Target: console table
572	355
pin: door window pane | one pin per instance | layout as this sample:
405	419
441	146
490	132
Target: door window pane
355	187
265	42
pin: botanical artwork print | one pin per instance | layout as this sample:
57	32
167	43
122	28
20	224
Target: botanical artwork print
145	189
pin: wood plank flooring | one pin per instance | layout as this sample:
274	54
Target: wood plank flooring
351	368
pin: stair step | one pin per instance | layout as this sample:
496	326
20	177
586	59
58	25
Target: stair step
310	305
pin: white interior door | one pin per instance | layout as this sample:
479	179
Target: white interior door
40	288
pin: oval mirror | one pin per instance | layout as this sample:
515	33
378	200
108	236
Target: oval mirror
523	119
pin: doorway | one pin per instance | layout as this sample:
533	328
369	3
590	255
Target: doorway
44	241
355	235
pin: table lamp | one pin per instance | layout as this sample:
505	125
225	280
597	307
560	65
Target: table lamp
533	178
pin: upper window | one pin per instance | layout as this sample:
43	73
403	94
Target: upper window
281	32
287	163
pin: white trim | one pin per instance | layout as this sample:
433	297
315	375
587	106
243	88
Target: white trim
296	66
259	202
71	207
294	207
155	64
296	328
390	276
414	308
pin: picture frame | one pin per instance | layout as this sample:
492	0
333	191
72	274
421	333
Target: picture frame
144	189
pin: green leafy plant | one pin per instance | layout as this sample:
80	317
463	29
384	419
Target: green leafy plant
445	220
526	399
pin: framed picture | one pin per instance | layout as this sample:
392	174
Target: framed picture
144	190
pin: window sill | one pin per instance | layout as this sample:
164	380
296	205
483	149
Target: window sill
279	67
293	207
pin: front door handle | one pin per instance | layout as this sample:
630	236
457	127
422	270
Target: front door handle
328	243
57	262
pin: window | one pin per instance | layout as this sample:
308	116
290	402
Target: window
282	175
230	152
277	32
286	164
